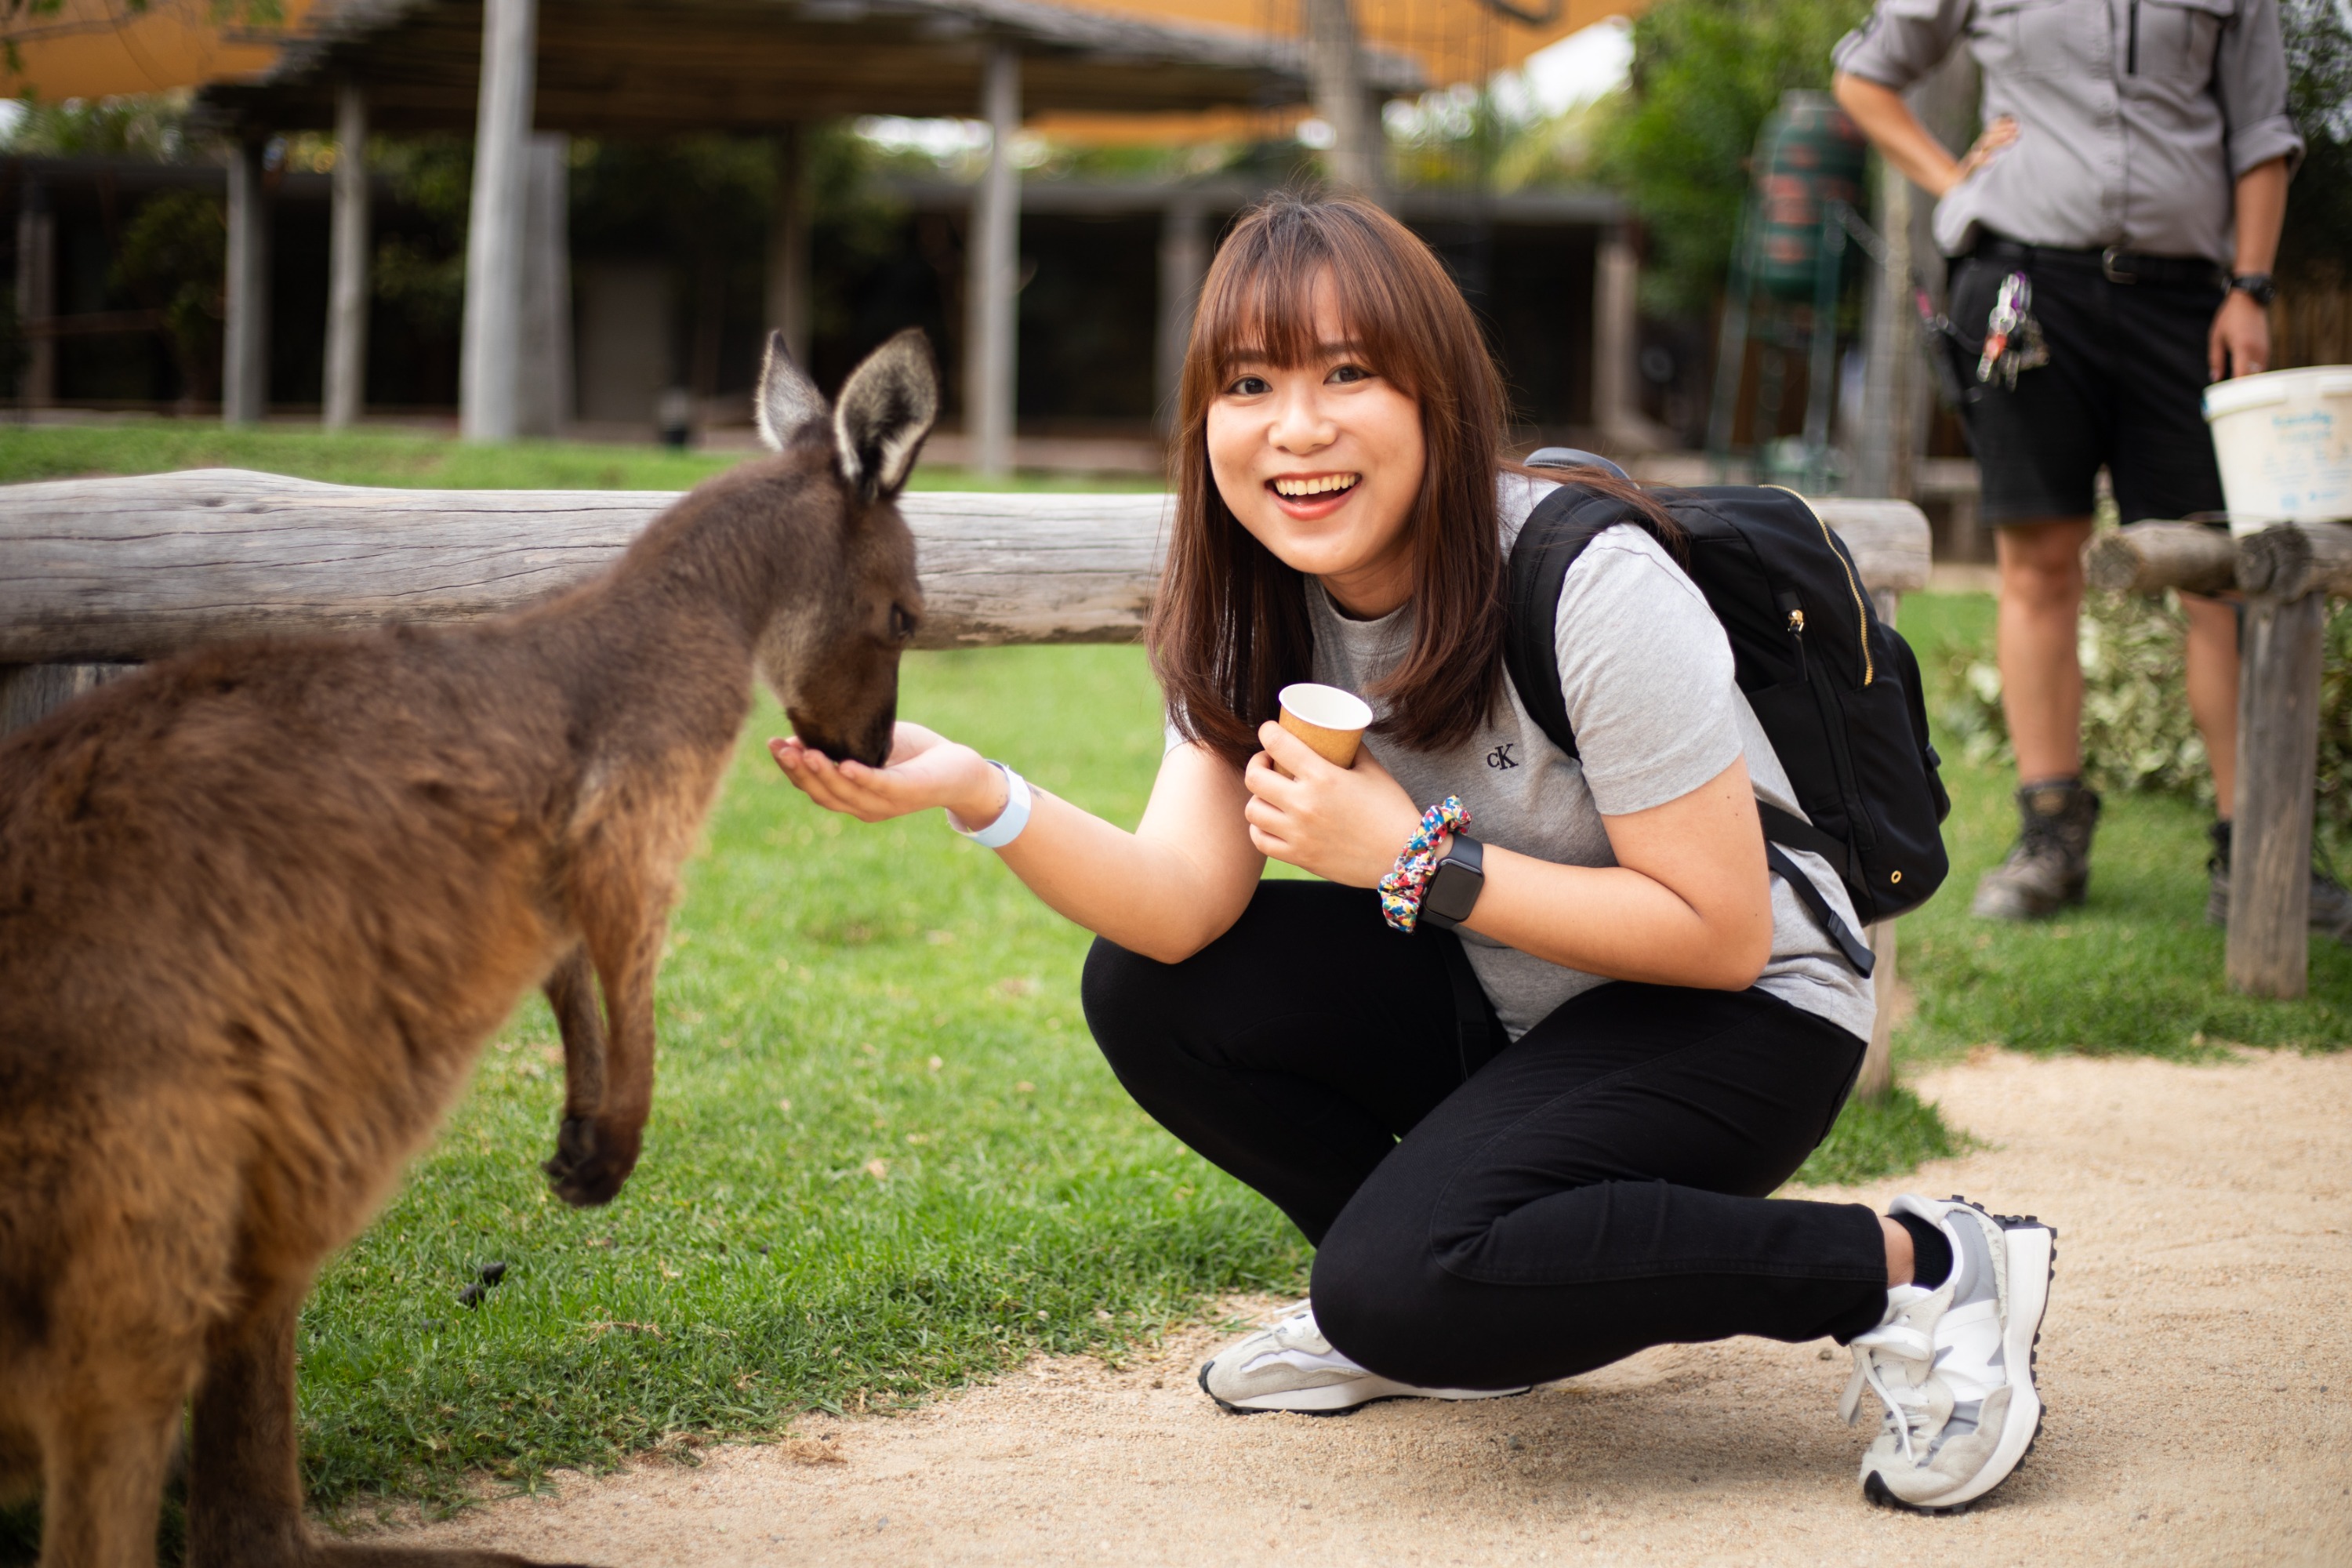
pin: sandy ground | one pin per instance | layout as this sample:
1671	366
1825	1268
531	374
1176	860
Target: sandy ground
2196	1362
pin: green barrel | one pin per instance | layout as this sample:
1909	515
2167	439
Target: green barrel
1807	155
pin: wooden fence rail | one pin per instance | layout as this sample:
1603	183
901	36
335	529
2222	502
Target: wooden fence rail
108	573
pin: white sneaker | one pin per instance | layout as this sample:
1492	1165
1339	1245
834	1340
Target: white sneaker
1291	1367
1954	1365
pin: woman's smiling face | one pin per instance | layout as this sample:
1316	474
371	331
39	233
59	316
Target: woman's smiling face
1322	462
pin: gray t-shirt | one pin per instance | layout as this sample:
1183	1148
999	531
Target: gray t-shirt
1647	672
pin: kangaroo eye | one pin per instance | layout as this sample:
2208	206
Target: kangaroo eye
902	625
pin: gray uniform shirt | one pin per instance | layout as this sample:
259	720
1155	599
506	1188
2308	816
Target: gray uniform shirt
1647	672
2134	117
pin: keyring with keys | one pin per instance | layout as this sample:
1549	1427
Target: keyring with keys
2013	342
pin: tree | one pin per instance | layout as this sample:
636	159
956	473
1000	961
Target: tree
1705	75
2316	247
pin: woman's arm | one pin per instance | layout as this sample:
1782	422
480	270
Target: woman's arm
1688	903
1910	146
1166	891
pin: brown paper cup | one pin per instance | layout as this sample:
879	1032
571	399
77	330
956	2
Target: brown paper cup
1331	720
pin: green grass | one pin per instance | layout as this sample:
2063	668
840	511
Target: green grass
2136	969
1886	1138
916	1007
411	460
884	1156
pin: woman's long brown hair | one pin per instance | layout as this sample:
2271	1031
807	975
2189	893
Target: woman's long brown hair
1230	627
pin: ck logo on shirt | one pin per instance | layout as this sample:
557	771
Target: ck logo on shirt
1500	757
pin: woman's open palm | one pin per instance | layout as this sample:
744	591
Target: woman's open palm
926	769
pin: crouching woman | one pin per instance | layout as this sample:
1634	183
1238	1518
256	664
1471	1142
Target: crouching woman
1542	1140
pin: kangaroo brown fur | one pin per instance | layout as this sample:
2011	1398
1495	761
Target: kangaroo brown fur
261	905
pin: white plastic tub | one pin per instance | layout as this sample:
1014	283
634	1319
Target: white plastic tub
2284	441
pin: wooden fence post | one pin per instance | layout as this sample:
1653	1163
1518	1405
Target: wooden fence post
1876	1080
2278	753
31	692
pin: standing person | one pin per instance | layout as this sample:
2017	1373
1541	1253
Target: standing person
1542	1141
2133	173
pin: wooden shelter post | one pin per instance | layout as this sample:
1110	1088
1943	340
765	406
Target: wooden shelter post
990	369
1616	277
543	399
244	359
489	357
788	243
36	295
1358	160
347	265
1184	262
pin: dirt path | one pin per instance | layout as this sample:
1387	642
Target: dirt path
2197	1364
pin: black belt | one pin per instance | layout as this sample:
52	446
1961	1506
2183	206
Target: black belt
2117	265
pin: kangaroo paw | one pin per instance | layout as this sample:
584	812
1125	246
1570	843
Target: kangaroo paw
586	1172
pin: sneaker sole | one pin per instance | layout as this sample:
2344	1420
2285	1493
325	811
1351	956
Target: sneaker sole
2032	1257
1344	1398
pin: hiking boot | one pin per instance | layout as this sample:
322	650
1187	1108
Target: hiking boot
2331	902
2050	865
1954	1365
1291	1367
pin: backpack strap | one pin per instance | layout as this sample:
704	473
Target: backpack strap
1860	957
1785	828
1553	537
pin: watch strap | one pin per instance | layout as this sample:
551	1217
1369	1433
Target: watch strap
1455	886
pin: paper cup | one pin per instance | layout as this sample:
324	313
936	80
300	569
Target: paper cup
1328	719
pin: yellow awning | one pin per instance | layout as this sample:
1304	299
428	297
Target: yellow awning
102	48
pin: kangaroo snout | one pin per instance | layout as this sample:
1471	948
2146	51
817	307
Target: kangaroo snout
870	744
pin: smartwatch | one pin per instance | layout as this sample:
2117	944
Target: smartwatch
2256	286
1453	891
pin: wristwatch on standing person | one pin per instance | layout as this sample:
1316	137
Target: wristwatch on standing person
1455	886
2254	286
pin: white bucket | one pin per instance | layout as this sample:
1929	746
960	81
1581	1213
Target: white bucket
2284	441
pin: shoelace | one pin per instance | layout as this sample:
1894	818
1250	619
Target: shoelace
1911	1413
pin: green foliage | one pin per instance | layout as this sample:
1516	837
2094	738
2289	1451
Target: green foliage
420	271
2136	733
145	125
2317	239
1707	73
174	256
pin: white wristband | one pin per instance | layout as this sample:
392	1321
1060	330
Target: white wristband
1010	821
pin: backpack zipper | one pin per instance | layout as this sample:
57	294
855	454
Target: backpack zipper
1796	627
1860	607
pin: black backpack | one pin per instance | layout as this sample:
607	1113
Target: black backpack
1835	688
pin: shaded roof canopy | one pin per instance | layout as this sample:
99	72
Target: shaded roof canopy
621	67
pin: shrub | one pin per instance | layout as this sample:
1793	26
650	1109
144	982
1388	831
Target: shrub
2137	735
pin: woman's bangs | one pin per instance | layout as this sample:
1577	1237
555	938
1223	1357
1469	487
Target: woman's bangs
1262	309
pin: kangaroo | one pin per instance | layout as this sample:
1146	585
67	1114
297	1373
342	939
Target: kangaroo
261	907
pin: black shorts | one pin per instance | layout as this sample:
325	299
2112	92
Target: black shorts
2124	389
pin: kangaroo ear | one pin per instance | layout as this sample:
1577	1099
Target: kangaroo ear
887	408
787	399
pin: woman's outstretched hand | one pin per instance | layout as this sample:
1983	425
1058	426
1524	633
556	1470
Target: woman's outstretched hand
1345	825
925	770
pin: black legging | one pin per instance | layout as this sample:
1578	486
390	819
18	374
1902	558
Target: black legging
1487	1217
